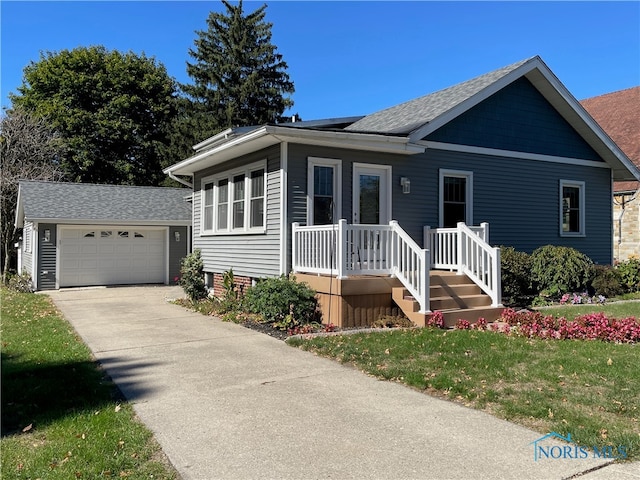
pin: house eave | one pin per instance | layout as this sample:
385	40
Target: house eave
269	135
107	222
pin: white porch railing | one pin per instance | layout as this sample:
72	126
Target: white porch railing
466	250
346	250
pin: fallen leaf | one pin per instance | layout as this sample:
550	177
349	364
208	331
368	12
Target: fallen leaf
117	409
603	433
550	414
386	351
609	362
27	428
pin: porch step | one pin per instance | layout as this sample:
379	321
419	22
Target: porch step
456	296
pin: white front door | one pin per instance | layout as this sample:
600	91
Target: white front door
371	194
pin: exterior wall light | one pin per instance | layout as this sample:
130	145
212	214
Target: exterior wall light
177	235
406	184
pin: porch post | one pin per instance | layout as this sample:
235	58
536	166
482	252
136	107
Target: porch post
461	256
424	281
341	246
485	231
294	246
496	286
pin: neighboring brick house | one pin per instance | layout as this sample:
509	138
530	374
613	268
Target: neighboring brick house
618	113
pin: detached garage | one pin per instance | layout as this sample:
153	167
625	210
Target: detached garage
77	234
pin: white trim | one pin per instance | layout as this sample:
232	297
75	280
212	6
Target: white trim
269	135
336	164
512	154
27	237
581	189
443	172
245	170
284	224
111	222
356	187
35	256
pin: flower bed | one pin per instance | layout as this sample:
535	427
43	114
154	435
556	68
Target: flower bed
592	326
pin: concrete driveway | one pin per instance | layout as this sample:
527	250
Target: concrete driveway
228	402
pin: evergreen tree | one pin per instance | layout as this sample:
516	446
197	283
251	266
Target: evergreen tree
239	79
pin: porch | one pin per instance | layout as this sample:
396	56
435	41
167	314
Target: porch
363	271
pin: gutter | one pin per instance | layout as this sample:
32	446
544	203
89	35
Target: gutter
179	180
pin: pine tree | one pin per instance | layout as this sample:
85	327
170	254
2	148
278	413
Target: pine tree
239	79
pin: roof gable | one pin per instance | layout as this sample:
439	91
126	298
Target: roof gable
516	118
91	203
408	117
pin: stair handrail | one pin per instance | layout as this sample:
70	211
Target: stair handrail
480	262
411	265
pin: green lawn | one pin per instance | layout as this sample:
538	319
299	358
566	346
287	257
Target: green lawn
590	389
614	310
61	418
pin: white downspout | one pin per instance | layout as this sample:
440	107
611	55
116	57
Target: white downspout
179	180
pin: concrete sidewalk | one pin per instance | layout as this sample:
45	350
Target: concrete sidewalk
228	402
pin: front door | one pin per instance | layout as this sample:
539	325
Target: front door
371	194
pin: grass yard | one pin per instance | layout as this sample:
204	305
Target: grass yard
61	418
590	389
615	310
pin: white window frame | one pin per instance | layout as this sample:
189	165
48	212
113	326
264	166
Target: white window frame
27	237
468	193
247	201
334	163
582	207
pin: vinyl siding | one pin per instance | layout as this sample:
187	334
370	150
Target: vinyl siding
27	257
519	198
253	255
517	118
47	256
177	250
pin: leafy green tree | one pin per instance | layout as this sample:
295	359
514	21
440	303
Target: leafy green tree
113	109
239	79
30	150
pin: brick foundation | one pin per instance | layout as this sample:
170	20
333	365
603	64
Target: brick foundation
242	283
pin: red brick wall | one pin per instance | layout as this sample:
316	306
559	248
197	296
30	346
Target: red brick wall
242	283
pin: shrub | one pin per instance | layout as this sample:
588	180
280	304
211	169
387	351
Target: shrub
629	271
556	270
516	276
192	276
278	298
606	281
21	283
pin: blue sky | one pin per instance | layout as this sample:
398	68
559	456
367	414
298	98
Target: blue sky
353	58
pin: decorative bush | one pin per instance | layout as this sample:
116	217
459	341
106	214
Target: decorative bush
282	299
192	276
436	319
606	281
556	270
592	326
21	283
629	271
516	276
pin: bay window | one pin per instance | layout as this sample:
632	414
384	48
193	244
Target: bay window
234	202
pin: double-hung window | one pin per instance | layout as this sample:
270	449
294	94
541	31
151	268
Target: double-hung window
323	186
234	202
572	208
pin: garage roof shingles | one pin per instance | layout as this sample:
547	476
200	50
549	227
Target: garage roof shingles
92	203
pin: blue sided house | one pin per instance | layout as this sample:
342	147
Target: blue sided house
404	208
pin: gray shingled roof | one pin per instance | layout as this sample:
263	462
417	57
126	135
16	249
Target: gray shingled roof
410	116
103	203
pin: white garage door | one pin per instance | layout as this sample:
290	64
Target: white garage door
111	256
